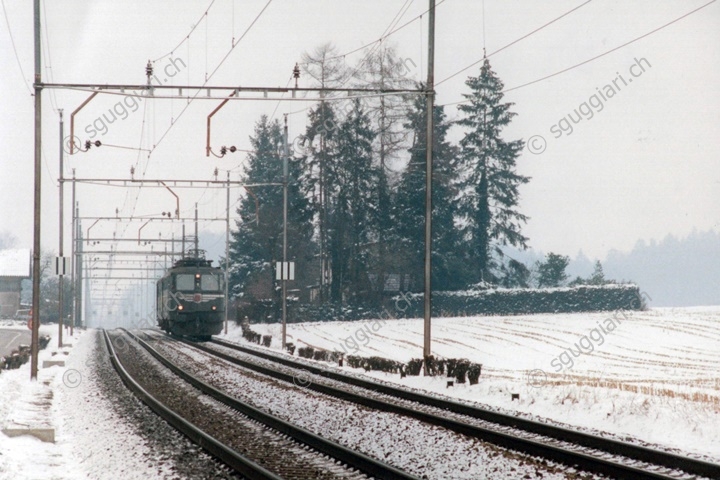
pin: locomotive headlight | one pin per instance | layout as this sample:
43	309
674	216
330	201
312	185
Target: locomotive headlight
180	307
214	307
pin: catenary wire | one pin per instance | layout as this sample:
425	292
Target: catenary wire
12	40
512	43
598	56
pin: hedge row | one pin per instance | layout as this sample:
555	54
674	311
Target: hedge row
378	364
457	368
585	298
527	301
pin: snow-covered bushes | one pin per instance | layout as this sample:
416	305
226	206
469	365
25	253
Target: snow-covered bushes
306	352
501	301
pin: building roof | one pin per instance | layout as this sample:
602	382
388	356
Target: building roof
15	263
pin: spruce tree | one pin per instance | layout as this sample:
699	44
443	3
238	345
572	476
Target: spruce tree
489	187
353	205
327	69
551	272
409	204
598	276
384	69
256	242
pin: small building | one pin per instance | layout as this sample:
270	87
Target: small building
14	268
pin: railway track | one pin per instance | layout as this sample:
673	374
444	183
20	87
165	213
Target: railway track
576	449
261	446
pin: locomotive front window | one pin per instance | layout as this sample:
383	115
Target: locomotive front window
209	282
185	281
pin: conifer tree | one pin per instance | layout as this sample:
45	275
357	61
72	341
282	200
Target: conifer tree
384	69
489	187
598	276
327	69
256	241
353	206
551	272
409	205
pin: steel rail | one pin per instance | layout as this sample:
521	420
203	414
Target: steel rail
219	450
561	455
615	447
362	462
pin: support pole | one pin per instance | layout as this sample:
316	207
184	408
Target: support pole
37	205
78	273
227	251
284	269
430	100
197	243
61	280
73	255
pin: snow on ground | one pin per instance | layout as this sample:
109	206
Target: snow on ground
90	441
651	375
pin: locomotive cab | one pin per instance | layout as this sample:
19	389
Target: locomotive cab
191	299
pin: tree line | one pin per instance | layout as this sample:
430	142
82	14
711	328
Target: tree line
356	195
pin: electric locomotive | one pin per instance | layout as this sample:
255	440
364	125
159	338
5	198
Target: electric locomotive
191	298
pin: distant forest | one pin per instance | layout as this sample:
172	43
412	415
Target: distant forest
674	272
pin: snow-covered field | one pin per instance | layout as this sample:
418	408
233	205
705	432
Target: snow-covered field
649	375
652	375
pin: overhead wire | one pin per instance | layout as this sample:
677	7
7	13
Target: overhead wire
398	16
187	37
190	100
613	49
511	43
600	55
17	57
48	67
382	37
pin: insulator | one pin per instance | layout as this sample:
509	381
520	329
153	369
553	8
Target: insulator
233	149
98	143
149	69
296	71
223	150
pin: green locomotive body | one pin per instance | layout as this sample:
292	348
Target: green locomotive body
191	299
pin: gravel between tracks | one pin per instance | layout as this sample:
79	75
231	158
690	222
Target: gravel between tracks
421	449
264	446
169	454
304	377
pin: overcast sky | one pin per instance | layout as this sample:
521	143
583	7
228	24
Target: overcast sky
643	161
